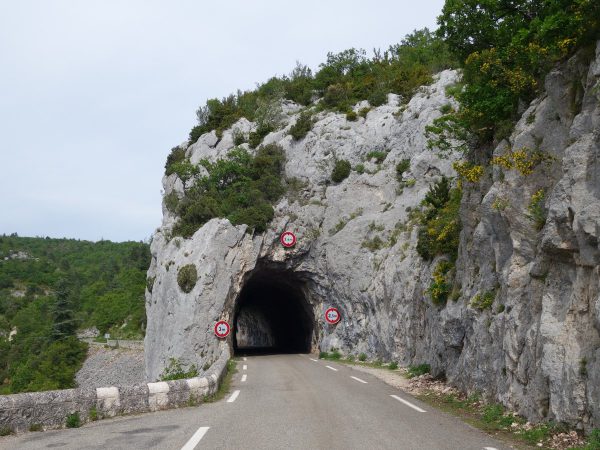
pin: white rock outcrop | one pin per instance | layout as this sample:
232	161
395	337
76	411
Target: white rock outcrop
537	349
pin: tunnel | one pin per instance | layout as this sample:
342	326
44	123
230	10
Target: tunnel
272	315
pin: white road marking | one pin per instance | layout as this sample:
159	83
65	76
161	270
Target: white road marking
332	368
245	367
358	379
233	396
315	360
198	435
415	407
490	448
245	359
244	378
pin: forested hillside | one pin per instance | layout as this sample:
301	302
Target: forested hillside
49	289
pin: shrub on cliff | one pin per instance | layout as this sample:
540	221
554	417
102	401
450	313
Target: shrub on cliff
377	98
256	137
402	167
506	52
440	229
187	277
176	156
351	116
341	171
240	187
303	125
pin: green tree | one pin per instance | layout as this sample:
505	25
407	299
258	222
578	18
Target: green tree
62	312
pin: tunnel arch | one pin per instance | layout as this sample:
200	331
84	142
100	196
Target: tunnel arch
273	313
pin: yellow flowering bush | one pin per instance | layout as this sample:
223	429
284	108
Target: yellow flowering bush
439	289
467	171
524	160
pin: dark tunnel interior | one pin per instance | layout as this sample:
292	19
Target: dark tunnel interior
272	315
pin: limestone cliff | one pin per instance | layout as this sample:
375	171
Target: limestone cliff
536	348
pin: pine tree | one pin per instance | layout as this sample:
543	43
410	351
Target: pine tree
62	312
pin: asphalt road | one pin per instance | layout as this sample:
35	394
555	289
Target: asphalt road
280	402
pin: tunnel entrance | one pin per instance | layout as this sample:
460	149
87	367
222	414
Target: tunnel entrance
273	315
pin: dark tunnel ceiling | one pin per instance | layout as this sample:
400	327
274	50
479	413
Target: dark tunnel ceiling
279	296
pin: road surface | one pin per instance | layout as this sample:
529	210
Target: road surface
280	402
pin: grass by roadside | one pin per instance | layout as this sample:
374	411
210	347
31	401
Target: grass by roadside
496	421
361	361
491	418
225	386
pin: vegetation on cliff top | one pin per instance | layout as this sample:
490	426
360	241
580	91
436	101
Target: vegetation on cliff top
55	287
343	80
505	49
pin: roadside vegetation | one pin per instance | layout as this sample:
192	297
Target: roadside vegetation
225	386
176	371
50	288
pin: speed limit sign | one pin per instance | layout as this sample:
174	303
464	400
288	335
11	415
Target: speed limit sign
222	329
332	316
288	239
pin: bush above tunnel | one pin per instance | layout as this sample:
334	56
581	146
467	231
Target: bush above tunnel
240	187
187	277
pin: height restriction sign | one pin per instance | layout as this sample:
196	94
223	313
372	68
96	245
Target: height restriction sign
288	239
222	329
332	316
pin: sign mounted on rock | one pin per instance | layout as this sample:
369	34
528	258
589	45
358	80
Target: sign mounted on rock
288	239
222	329
332	316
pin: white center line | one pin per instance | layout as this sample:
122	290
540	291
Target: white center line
245	367
490	448
233	396
244	378
332	368
358	379
315	360
415	407
245	359
198	435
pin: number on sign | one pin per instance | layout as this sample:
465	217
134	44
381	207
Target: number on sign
332	316
222	329
288	239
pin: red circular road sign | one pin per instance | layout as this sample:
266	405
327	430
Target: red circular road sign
332	316
288	239
222	329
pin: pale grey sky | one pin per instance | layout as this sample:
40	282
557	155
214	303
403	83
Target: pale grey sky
93	94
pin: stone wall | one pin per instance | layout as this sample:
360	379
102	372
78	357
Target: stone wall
50	409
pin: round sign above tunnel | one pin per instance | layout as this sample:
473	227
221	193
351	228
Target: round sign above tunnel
288	239
332	316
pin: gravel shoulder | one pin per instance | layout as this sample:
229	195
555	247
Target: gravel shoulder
392	377
111	367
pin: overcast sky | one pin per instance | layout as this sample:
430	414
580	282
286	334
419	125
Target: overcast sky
93	94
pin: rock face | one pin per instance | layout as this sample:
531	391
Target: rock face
537	349
254	331
541	355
